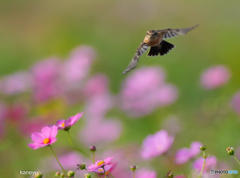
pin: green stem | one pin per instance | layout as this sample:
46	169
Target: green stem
93	157
204	162
133	174
104	172
77	148
57	160
236	159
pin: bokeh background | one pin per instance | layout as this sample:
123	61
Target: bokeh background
62	57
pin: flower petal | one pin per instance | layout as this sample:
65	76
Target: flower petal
182	156
59	123
52	140
54	131
37	137
36	145
46	131
72	120
107	160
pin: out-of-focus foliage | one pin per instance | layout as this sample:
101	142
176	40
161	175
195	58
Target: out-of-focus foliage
59	58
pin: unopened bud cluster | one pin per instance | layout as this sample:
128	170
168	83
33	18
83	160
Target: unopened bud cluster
169	174
81	166
93	148
133	167
38	175
87	175
203	147
230	151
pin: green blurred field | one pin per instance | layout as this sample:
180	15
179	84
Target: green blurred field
35	30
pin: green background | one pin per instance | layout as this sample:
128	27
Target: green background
35	30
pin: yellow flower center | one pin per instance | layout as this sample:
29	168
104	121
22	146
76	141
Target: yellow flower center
100	163
46	141
63	124
100	170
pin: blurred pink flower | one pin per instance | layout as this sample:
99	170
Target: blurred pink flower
66	124
236	102
17	112
16	83
145	173
45	138
99	105
97	131
144	90
211	163
96	86
185	154
3	113
46	83
98	164
167	95
69	161
157	144
215	77
76	68
28	127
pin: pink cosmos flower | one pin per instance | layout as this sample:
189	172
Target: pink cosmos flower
16	83
92	135
145	90
215	77
99	164
76	68
101	171
45	138
96	86
119	163
166	95
99	105
66	124
33	124
18	112
144	173
46	82
185	154
211	163
157	144
236	102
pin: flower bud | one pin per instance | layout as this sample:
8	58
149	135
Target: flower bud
81	166
93	148
169	174
203	147
87	175
62	175
133	167
38	175
57	174
70	173
230	151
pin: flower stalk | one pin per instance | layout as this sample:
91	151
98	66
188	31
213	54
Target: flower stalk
57	160
69	138
204	162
